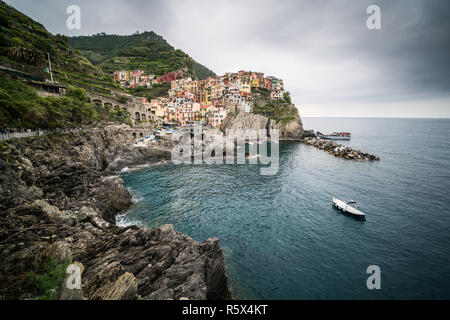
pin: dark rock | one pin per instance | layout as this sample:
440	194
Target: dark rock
59	250
309	134
124	288
58	201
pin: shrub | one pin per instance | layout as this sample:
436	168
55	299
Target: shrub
4	22
49	280
16	41
77	94
123	99
287	97
43	45
20	106
62	39
4	41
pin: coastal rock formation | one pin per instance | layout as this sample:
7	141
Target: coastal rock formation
124	288
164	264
58	202
292	130
267	114
309	134
339	150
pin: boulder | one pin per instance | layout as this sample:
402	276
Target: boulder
87	213
59	250
52	213
309	134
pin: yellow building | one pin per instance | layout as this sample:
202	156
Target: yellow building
206	96
160	111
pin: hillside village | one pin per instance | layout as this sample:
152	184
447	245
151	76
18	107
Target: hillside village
139	80
207	101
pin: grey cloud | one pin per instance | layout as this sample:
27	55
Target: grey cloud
321	48
118	16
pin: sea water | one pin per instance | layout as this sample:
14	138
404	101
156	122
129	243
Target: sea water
281	236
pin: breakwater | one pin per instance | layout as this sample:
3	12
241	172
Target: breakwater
339	150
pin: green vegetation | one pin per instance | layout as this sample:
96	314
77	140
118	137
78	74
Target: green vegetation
21	107
48	278
278	110
158	90
16	41
24	44
261	92
123	99
43	280
147	51
287	97
201	71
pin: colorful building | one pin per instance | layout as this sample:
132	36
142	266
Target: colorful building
216	117
170	76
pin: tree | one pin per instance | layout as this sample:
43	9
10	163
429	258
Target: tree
287	97
62	39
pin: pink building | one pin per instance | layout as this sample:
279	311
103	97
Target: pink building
170	76
216	116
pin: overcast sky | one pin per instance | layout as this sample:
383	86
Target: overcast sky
332	64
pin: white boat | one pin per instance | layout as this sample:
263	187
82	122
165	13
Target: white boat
335	136
349	207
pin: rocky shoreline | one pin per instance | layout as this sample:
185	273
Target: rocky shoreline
59	201
339	150
59	198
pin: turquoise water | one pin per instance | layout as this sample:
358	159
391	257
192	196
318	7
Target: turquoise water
281	236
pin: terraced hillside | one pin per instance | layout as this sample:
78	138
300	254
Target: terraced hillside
147	51
25	43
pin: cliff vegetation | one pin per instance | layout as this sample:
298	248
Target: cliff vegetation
21	107
278	110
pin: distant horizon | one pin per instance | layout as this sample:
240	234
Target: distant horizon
368	117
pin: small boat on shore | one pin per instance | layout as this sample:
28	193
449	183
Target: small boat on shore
335	136
349	208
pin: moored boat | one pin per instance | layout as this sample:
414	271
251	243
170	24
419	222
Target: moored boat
335	136
349	208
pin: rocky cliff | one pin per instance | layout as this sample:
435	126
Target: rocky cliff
291	130
266	114
58	201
